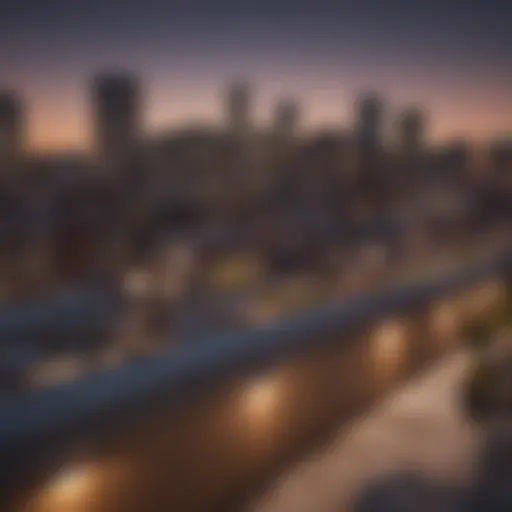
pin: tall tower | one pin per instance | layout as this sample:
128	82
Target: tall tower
369	116
411	132
11	131
369	156
239	109
246	157
117	119
286	119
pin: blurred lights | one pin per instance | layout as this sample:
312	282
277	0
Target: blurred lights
71	482
388	345
56	371
173	270
236	271
70	490
263	311
82	486
136	283
261	398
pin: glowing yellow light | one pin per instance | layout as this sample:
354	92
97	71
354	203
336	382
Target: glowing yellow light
262	397
81	487
71	482
388	345
70	489
236	271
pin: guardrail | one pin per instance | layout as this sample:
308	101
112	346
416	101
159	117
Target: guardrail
78	311
200	427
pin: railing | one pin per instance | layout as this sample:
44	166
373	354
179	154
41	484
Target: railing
82	310
204	426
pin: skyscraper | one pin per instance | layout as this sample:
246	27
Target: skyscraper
239	108
369	121
411	132
500	154
286	119
117	119
368	138
11	130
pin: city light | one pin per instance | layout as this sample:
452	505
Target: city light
388	346
55	371
72	482
262	397
260	409
72	489
82	486
234	271
137	283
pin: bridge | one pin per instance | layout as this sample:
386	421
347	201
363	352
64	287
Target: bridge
209	425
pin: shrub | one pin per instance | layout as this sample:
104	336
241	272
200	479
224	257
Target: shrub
479	391
478	334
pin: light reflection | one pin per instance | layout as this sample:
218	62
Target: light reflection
83	486
72	489
388	346
56	371
232	272
261	398
260	411
72	482
136	283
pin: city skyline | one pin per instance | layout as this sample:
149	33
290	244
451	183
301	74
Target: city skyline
314	116
450	58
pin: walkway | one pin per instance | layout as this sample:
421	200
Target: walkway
419	428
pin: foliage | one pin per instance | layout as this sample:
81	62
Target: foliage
479	390
478	334
504	313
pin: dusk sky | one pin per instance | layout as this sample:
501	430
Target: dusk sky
453	56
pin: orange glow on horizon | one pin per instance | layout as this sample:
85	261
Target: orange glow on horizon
62	121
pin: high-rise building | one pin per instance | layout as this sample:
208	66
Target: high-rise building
454	162
11	130
247	160
369	121
117	118
239	108
411	132
500	154
286	119
370	175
